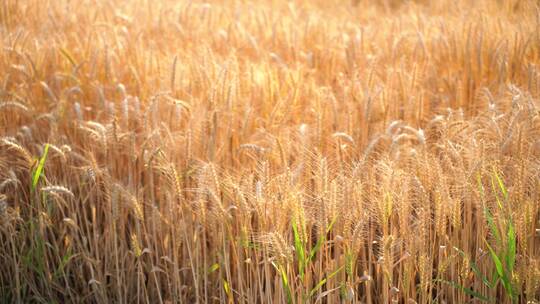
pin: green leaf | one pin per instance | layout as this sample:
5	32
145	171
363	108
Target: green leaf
497	198
500	182
320	241
284	281
68	57
60	269
509	260
317	287
213	268
511	248
467	291
495	279
492	226
474	268
226	288
299	249
323	281
496	261
39	169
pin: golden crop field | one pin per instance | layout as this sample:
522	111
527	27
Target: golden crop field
269	151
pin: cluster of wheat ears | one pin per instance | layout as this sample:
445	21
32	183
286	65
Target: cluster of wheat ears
269	151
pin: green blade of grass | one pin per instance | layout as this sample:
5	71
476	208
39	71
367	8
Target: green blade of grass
494	279
320	242
492	226
299	249
323	281
474	268
500	182
467	291
60	269
496	261
226	288
39	169
511	249
213	268
68	56
284	281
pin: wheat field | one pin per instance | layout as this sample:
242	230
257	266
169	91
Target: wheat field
269	151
